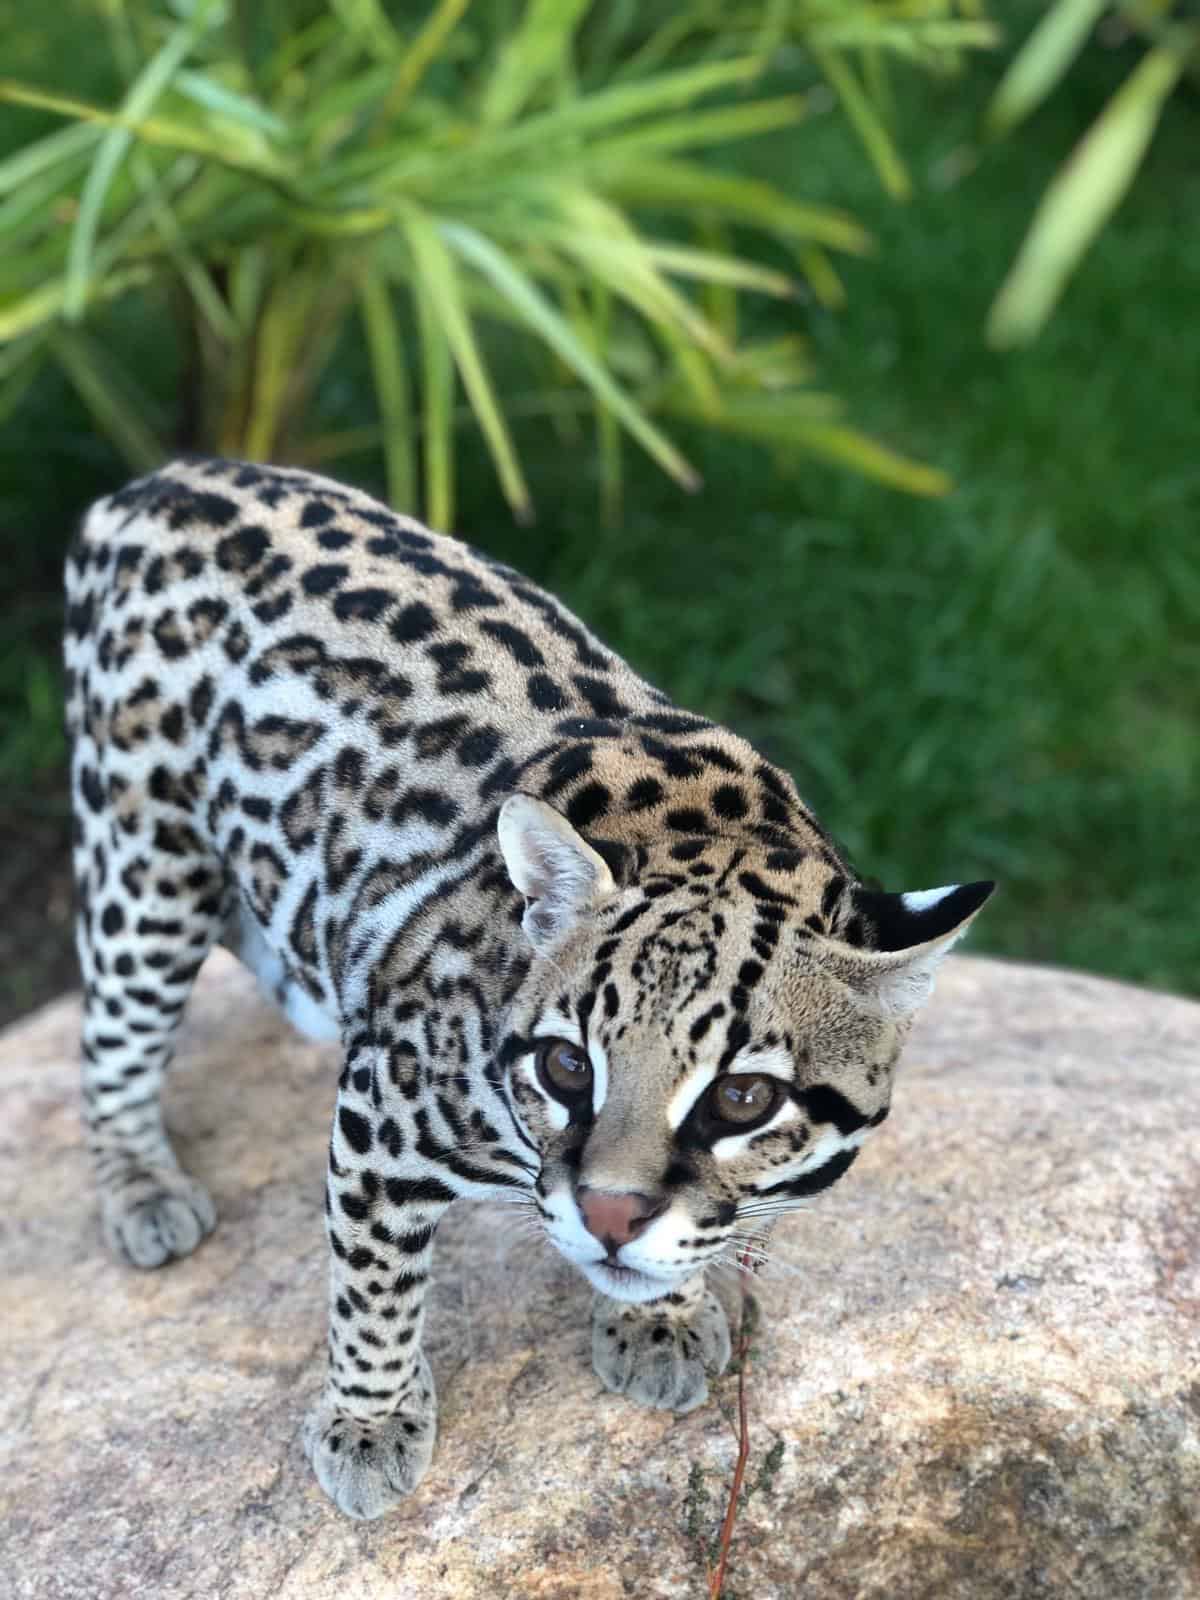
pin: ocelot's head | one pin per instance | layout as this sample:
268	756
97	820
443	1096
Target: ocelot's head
705	1036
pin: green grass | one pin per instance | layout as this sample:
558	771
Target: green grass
1001	683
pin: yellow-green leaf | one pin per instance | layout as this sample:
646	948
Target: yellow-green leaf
694	130
367	22
437	402
565	127
190	267
149	85
827	288
165	132
1081	198
712	267
280	333
877	141
391	387
539	314
1041	61
421	53
686	186
35	158
436	268
44	304
848	447
535	50
206	91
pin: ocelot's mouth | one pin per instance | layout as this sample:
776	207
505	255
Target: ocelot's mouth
621	1274
624	1283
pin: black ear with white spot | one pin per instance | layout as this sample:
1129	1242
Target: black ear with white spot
557	871
902	921
891	945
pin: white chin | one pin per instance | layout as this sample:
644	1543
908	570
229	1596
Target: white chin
624	1283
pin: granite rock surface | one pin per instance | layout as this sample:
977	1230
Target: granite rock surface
980	1353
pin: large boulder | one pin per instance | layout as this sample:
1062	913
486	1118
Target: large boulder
980	1353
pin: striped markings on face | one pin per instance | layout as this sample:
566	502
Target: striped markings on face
829	1143
776	1063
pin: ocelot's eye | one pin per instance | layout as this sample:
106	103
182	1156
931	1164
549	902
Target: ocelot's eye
743	1099
564	1069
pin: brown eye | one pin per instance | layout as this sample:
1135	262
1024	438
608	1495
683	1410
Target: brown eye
564	1068
743	1098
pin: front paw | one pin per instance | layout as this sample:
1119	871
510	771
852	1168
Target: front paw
367	1468
155	1215
658	1359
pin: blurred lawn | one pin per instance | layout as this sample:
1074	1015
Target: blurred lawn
1003	683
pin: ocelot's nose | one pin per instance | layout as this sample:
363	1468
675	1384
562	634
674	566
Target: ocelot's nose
615	1219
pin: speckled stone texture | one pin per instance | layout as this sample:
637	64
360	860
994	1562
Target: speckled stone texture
982	1350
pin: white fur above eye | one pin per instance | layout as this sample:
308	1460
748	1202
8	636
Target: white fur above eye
688	1092
599	1059
774	1063
555	1024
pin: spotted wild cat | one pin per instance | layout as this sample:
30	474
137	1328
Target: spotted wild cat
583	951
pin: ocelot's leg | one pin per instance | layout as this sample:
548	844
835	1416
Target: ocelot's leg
149	909
660	1352
371	1434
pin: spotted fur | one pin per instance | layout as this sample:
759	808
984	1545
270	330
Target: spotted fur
445	826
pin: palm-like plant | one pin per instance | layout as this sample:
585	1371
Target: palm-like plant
285	175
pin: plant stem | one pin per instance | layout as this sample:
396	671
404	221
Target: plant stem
742	1353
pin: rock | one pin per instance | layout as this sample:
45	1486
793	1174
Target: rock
981	1352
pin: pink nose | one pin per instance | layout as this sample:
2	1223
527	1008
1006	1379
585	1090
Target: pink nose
615	1219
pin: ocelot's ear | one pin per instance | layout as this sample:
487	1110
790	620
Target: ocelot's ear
557	871
889	947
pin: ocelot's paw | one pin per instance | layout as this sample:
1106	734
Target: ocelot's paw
658	1359
367	1468
156	1215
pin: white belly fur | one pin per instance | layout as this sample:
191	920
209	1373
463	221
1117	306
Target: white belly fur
245	938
